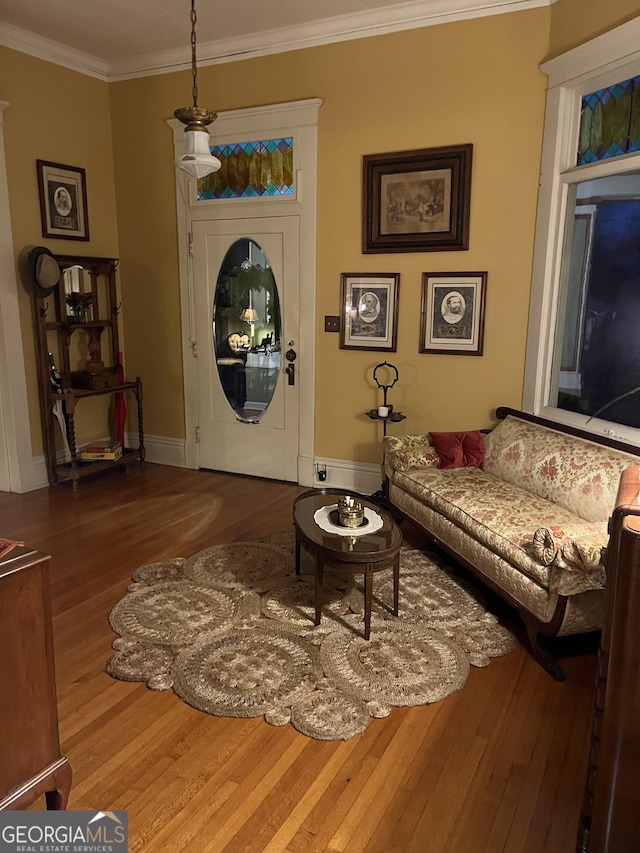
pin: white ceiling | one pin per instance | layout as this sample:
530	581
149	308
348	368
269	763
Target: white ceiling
119	39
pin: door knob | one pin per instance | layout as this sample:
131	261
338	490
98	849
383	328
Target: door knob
291	356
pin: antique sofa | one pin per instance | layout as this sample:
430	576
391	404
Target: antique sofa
525	507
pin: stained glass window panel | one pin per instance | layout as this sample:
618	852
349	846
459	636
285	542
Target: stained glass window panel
634	127
250	169
610	122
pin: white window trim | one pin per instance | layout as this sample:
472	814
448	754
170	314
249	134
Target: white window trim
605	60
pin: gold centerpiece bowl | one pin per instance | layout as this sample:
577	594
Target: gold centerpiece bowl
350	512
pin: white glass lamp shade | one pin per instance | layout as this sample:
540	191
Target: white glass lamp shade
197	159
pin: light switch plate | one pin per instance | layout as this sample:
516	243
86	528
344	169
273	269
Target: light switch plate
331	323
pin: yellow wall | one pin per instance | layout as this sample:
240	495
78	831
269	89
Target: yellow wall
64	117
576	21
474	81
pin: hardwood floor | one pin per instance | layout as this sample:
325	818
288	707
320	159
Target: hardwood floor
499	766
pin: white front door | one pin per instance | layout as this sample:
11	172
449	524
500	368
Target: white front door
247	335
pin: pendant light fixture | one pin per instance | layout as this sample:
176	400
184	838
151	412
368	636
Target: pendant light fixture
197	160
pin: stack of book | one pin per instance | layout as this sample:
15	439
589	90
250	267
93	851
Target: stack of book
109	450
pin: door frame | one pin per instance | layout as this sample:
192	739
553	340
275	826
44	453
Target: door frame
19	471
300	120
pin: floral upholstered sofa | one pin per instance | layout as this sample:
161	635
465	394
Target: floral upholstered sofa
524	507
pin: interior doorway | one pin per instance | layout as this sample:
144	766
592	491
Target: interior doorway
202	250
19	472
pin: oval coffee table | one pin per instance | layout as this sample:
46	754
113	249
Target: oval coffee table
365	552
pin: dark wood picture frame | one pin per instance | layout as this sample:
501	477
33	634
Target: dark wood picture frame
452	314
369	318
417	201
63	201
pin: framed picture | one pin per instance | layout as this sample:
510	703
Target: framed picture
369	316
417	201
452	317
63	201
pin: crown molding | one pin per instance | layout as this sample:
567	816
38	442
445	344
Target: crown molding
596	57
405	16
52	51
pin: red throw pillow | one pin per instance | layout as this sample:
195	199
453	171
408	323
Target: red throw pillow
459	449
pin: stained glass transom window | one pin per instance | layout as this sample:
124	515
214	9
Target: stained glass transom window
250	169
610	122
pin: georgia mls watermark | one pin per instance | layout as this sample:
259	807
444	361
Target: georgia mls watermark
63	832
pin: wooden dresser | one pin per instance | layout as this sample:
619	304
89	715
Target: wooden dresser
31	763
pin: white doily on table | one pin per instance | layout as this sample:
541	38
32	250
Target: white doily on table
322	519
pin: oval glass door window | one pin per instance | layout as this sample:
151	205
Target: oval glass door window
247	330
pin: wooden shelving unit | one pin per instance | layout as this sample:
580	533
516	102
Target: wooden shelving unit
57	326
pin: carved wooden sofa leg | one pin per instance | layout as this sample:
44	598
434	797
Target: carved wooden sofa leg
381	497
540	653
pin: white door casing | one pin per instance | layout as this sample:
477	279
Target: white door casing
19	471
300	120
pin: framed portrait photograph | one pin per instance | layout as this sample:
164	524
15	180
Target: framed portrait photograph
452	316
417	201
63	201
369	316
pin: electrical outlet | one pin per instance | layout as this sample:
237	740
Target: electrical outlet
331	323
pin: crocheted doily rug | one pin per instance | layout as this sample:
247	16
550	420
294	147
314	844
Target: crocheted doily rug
231	631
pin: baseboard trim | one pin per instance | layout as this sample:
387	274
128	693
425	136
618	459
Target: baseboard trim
161	450
360	477
33	475
340	473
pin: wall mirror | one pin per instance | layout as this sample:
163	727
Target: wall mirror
247	330
81	322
